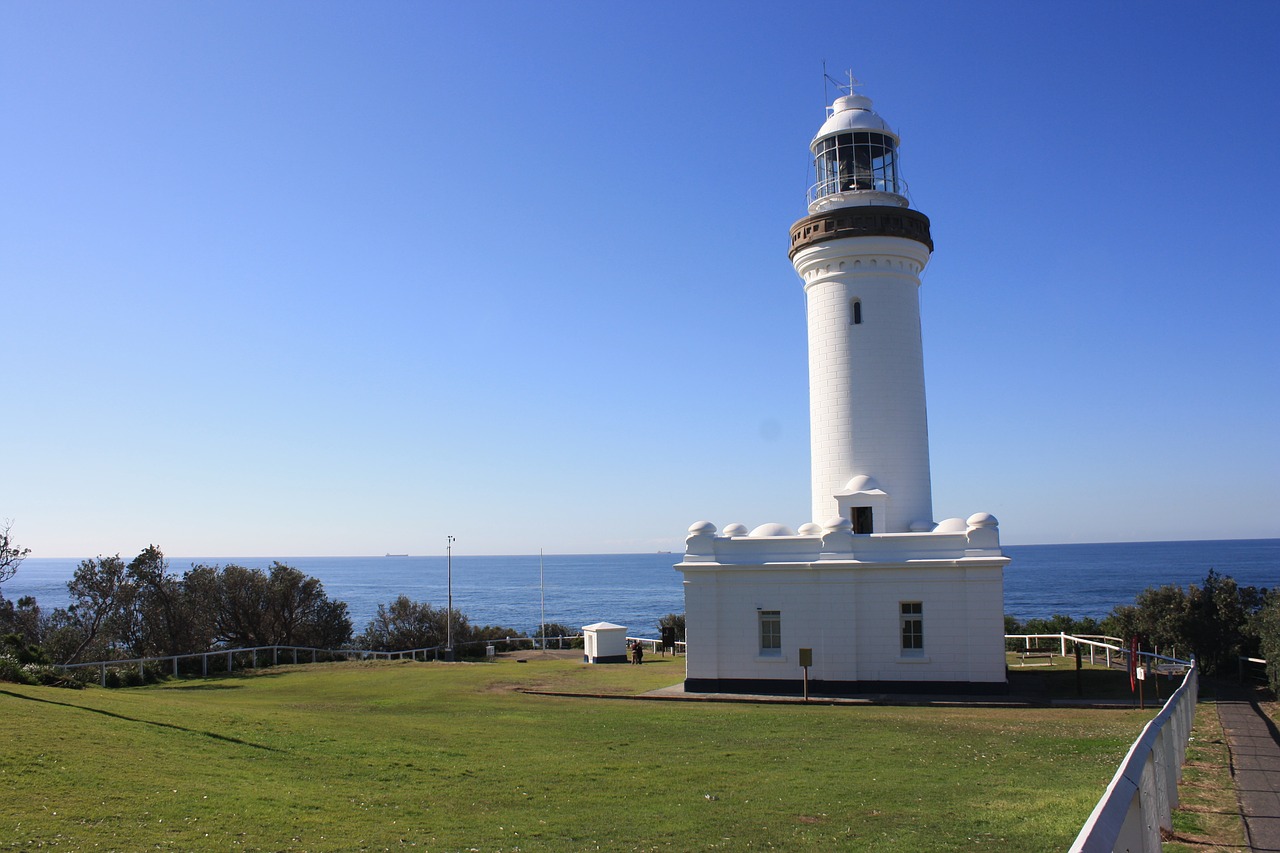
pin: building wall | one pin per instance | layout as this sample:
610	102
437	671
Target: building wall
849	615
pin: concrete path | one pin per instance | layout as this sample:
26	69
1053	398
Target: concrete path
1255	762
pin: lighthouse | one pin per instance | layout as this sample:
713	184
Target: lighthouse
870	594
859	254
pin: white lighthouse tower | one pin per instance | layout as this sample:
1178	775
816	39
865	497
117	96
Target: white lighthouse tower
860	253
870	594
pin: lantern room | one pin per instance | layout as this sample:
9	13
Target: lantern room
855	158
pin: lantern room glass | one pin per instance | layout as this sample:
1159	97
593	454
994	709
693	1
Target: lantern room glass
861	160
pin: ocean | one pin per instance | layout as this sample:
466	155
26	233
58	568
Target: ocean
635	590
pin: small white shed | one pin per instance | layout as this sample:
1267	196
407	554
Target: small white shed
604	642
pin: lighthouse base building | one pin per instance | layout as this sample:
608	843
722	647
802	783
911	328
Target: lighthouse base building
872	595
879	613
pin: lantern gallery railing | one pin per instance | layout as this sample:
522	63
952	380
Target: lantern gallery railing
855	183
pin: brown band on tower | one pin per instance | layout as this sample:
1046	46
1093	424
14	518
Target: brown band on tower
870	221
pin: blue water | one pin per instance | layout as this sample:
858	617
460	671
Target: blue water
635	590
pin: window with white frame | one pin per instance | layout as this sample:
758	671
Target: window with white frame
911	620
770	632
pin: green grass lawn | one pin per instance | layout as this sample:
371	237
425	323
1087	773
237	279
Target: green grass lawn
374	756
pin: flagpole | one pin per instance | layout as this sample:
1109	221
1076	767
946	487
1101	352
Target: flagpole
542	585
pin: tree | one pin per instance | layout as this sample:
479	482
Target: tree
673	620
239	606
403	624
249	607
95	590
407	624
155	614
1217	622
493	634
1267	624
553	630
11	556
299	612
23	619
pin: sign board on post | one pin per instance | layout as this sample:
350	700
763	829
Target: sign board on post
806	661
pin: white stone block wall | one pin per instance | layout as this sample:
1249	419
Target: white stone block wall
849	615
866	381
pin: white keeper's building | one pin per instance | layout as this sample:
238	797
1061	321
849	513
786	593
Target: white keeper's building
884	598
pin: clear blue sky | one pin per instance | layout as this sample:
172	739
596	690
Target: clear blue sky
344	278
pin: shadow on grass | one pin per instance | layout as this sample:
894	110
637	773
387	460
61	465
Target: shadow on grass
113	715
1089	684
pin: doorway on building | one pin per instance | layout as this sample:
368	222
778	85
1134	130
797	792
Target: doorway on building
861	519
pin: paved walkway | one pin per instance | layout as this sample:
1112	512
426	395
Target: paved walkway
1255	763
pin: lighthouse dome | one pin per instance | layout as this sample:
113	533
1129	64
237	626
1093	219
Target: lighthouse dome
853	112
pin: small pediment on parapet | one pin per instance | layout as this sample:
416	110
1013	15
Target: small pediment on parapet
861	485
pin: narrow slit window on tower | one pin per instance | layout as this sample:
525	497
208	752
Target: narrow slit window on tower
855	312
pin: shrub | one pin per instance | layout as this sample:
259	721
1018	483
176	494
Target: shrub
11	669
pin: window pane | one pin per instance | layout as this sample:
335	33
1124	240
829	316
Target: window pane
770	630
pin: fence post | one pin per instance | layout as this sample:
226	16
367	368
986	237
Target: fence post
275	655
175	666
204	664
102	674
142	668
229	661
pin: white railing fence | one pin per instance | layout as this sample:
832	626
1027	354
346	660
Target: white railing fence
1101	649
655	646
292	653
1142	795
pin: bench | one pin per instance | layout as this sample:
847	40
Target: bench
1032	654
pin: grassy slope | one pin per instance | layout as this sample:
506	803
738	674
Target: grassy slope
448	757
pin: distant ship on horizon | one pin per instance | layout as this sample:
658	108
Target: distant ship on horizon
397	555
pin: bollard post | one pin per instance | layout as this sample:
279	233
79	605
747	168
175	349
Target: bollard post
1079	674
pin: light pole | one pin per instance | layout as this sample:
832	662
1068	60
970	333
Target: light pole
448	643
